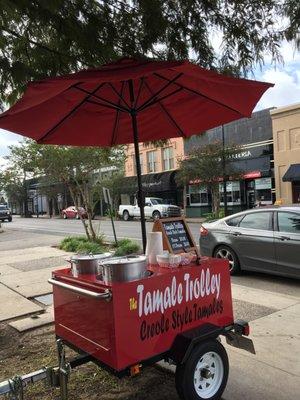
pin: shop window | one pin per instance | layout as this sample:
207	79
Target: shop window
263	190
233	192
168	158
198	195
258	220
289	222
134	164
151	161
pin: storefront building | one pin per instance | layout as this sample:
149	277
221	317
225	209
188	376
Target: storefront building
286	134
158	167
255	163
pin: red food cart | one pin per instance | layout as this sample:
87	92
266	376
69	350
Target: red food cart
176	315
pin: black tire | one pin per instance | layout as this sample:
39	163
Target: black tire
185	377
226	252
77	216
9	219
126	216
65	216
156	215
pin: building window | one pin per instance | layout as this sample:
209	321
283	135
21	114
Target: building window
198	195
233	192
168	158
134	163
263	190
151	161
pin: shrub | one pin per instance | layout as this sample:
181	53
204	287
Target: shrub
126	247
89	247
214	216
81	244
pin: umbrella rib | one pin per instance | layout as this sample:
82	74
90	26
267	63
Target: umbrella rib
139	92
197	93
167	113
119	94
116	124
156	100
92	94
69	114
103	105
154	95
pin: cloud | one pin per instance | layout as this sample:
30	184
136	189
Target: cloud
7	139
286	90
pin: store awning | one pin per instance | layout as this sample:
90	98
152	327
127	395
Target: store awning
292	174
159	182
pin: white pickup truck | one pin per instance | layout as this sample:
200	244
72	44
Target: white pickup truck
154	208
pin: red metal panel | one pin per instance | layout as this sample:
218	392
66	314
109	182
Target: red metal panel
150	313
86	323
144	316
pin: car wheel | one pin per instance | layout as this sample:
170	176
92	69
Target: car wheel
126	216
204	375
77	216
65	216
156	215
9	219
228	254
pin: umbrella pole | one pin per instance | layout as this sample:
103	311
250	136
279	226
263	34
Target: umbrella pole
140	197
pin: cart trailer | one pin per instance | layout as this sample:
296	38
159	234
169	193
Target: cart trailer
176	315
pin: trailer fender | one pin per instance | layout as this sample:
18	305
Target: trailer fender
185	342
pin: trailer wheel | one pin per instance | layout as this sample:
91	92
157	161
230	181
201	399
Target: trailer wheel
204	375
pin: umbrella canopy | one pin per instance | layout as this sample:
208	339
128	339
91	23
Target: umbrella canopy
130	101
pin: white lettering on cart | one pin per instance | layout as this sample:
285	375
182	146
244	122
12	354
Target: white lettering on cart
208	284
160	300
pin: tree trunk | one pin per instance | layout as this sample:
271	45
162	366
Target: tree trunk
73	195
89	208
215	194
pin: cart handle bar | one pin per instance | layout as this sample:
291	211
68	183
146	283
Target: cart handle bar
106	295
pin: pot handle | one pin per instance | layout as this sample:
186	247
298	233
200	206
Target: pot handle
106	295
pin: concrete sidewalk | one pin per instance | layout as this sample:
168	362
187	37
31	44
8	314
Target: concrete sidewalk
24	275
274	372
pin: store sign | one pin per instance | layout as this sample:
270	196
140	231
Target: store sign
252	175
263	183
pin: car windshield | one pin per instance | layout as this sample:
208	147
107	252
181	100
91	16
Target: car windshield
2	207
156	201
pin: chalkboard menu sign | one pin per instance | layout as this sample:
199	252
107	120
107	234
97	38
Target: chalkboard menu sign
177	237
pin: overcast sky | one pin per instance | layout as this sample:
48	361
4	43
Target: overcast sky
286	90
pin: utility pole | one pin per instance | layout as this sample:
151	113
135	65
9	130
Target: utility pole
224	173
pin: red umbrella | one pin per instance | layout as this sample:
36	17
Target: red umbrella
130	101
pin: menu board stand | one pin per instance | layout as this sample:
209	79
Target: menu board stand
177	237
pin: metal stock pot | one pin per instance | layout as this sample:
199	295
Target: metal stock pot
123	269
86	263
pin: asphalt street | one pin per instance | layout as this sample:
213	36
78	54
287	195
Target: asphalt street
58	226
31	232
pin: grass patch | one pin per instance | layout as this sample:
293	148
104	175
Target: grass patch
126	246
81	245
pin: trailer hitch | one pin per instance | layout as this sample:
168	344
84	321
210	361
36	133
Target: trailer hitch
64	370
16	388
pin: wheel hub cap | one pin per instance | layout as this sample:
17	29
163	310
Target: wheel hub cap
208	375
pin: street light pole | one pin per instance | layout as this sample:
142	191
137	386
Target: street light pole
224	173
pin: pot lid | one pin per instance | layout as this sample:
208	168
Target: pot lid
125	260
90	257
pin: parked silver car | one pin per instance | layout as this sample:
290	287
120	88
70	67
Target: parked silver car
263	239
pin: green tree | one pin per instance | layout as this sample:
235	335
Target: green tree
14	179
40	38
205	164
74	167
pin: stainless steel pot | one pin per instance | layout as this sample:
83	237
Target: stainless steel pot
123	269
86	263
